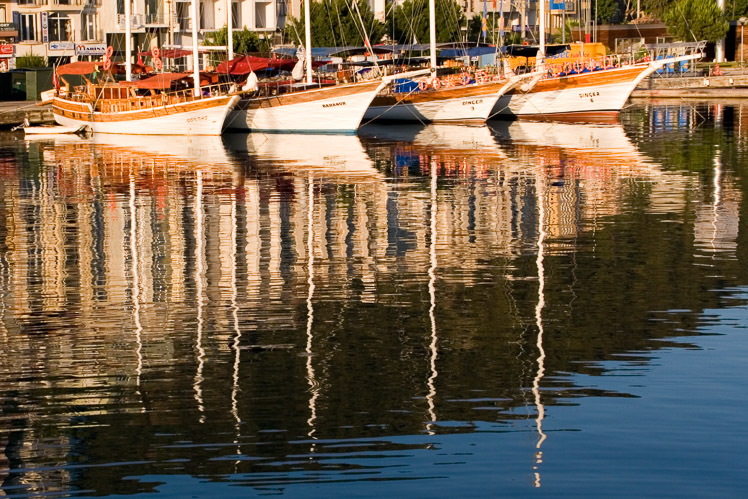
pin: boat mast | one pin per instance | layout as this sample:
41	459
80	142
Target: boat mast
308	40
432	35
128	41
229	29
541	27
195	61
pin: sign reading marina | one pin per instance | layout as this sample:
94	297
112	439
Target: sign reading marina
90	48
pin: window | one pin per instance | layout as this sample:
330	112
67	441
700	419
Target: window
260	17
27	28
89	25
183	16
201	15
120	6
235	15
60	28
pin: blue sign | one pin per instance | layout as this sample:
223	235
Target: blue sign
557	4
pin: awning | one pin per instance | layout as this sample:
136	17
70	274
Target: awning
471	52
77	68
245	64
161	80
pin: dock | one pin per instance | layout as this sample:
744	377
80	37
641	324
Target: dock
13	113
730	85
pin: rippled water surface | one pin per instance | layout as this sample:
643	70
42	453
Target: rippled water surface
443	311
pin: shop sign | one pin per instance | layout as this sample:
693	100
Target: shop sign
90	48
6	50
61	45
45	26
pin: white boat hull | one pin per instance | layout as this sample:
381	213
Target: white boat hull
207	118
473	108
585	93
328	110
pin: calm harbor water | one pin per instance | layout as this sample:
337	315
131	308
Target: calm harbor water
442	311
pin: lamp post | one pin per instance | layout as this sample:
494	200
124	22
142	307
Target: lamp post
741	23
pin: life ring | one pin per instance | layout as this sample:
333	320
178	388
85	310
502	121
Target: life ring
451	81
107	64
158	64
109	51
464	79
422	85
436	83
156	53
480	77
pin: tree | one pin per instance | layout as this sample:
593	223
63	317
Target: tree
691	20
657	7
412	21
245	41
609	11
336	23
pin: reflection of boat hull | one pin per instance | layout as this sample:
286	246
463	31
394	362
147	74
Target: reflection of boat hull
586	93
196	150
53	130
196	117
330	156
337	109
464	104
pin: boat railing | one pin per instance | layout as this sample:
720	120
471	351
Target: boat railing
82	93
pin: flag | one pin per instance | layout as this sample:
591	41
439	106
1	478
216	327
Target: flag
501	19
484	21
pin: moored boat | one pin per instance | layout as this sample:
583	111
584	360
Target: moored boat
164	104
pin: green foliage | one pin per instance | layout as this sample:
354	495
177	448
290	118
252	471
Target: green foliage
30	60
336	23
657	7
608	11
736	9
412	21
691	20
245	41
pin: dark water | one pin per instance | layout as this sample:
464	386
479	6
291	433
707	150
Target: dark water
519	309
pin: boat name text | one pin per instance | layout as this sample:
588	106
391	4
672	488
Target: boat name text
472	102
197	118
334	104
583	95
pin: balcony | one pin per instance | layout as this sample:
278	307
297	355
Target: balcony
157	19
136	21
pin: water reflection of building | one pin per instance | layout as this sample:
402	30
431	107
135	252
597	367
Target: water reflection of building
119	261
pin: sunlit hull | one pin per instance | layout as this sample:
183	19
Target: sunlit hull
471	103
197	117
337	109
594	92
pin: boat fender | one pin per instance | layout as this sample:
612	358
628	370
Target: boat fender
107	64
109	52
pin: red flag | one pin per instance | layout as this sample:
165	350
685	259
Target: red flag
140	58
494	5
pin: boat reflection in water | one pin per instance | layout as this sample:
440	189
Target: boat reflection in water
281	310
